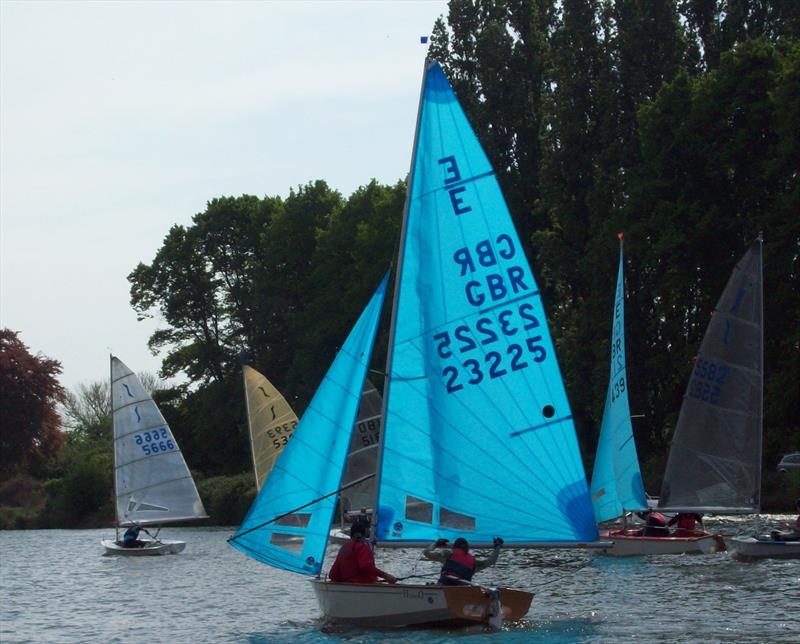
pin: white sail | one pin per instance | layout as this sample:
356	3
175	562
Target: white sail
151	480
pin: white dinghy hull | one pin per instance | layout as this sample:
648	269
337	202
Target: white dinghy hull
631	545
389	605
752	548
150	549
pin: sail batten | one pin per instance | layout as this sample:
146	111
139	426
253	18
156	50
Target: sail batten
472	364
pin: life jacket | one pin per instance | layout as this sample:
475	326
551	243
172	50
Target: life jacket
686	522
460	565
656	520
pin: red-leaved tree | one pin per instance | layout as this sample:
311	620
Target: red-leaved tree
29	420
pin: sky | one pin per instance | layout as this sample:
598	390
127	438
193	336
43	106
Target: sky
119	120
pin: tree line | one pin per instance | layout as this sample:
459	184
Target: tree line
674	121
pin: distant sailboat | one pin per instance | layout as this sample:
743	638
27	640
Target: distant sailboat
617	486
478	437
270	420
152	484
715	459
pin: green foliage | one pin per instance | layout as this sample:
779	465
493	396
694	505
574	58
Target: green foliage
227	498
80	494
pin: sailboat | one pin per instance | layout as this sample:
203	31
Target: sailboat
714	461
478	436
152	484
617	486
270	420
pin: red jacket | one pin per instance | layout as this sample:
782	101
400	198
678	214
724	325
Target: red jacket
355	564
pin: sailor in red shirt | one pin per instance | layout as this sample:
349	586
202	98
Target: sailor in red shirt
687	523
355	563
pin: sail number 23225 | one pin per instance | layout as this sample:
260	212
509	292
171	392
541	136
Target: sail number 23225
154	441
470	348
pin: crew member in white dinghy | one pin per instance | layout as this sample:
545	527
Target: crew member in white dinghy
459	564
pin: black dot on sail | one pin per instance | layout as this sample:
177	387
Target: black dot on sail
548	411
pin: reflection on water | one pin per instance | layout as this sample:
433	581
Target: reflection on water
56	587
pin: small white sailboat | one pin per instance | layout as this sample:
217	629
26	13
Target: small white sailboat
152	484
617	486
478	438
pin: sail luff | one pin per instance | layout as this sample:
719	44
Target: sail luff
760	241
113	431
250	428
387	384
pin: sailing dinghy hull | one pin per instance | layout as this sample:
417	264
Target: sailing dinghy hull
151	549
625	543
388	605
765	548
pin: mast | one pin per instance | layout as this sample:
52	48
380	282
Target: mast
395	298
113	432
250	426
760	240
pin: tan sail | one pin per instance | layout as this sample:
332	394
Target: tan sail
271	422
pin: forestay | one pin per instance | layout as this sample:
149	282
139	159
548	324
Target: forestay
363	453
288	524
479	438
715	459
617	480
151	480
270	419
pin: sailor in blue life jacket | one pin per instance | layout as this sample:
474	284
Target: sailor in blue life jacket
655	524
459	564
131	537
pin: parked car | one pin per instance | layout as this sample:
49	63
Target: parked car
789	463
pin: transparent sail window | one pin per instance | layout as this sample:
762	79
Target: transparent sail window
297	520
290	542
419	510
456	520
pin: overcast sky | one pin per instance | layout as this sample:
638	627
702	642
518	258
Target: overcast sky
120	119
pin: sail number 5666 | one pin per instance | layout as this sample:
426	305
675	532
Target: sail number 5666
154	441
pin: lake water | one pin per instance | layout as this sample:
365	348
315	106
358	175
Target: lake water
56	587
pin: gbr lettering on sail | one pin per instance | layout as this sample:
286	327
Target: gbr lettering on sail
499	338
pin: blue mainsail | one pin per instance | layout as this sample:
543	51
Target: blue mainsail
288	524
479	437
616	479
